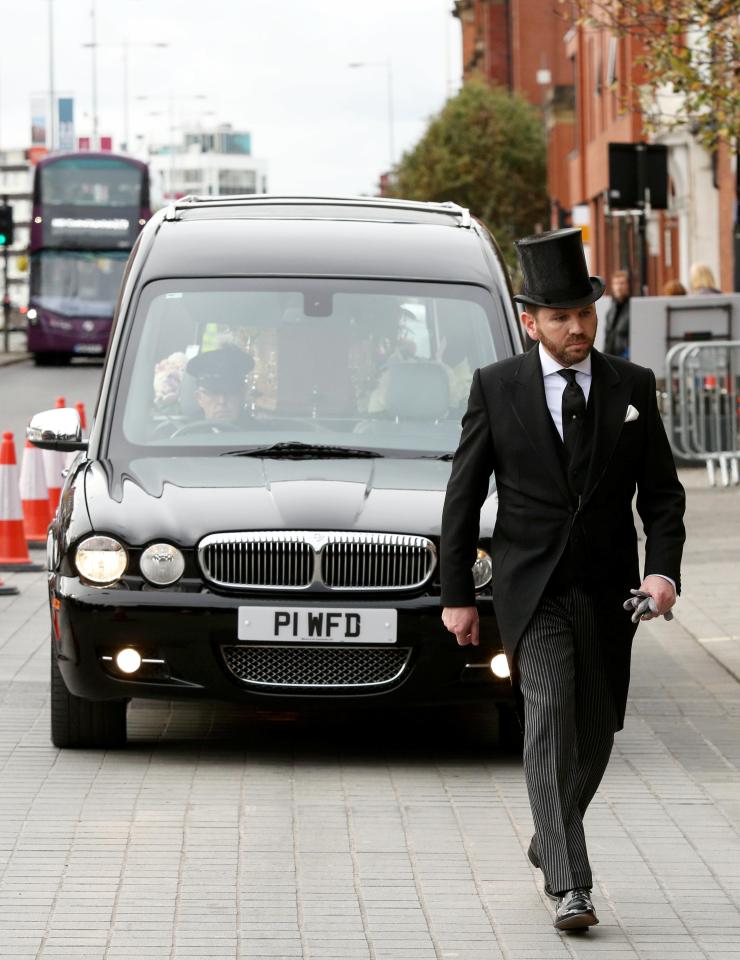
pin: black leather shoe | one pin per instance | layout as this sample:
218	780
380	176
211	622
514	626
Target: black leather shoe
575	910
534	859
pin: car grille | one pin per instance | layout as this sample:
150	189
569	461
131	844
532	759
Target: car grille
316	666
331	560
269	559
377	562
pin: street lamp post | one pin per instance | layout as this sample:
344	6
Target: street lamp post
124	45
94	51
389	79
52	96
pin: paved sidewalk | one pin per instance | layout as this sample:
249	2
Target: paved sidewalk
17	353
221	833
710	607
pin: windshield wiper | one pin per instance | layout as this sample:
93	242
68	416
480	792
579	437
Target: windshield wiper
295	450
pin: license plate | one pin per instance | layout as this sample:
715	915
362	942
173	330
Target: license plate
91	348
317	625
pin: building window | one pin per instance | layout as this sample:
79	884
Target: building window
234	182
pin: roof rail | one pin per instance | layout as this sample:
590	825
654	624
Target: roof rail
269	199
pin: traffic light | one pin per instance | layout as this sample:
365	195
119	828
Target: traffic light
6	226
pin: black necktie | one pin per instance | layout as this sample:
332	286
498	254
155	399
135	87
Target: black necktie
574	411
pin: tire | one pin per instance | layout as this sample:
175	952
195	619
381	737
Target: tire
76	722
48	359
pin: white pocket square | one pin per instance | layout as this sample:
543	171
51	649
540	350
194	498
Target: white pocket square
632	414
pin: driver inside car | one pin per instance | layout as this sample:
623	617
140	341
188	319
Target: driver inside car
221	382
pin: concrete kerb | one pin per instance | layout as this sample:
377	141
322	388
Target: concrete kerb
7	358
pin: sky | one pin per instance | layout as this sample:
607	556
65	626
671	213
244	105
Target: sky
277	68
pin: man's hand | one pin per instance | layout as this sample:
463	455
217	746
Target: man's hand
661	591
463	622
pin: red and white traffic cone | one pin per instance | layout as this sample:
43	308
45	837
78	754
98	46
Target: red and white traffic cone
7	591
72	454
13	548
34	495
55	461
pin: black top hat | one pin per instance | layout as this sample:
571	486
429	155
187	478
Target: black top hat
223	369
554	270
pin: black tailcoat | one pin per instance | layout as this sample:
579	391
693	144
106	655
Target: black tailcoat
508	430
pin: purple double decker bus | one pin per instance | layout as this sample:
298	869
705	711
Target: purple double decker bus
88	209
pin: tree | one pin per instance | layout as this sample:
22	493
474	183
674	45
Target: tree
484	150
690	63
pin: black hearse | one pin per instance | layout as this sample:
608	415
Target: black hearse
256	512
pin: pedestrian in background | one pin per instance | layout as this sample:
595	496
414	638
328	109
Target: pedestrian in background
702	279
674	288
570	435
617	339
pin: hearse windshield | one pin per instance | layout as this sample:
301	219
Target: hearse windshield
236	366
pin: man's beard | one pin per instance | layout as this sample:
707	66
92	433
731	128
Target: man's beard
565	353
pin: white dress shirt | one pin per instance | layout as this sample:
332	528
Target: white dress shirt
555	384
554	387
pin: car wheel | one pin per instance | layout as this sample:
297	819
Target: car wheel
76	722
51	359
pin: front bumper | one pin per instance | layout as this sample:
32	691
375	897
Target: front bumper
181	635
81	337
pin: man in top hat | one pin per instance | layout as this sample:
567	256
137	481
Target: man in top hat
221	376
570	435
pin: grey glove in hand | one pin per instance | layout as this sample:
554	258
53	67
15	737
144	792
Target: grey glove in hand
642	605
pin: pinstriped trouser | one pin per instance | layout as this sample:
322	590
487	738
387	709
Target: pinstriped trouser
569	724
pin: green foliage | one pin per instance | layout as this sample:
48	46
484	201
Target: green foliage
691	49
486	151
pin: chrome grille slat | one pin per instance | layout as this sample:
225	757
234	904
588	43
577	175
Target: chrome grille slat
323	560
319	667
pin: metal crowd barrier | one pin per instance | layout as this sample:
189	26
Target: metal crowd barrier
703	409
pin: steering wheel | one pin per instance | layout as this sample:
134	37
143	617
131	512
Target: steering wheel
207	426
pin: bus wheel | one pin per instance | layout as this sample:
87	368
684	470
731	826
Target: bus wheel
51	359
76	722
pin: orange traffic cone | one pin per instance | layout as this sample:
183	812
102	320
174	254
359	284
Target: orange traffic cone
34	495
54	462
72	455
7	591
13	549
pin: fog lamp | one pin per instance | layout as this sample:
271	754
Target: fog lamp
101	560
500	665
128	660
482	570
162	564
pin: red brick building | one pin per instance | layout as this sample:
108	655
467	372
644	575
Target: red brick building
585	82
520	46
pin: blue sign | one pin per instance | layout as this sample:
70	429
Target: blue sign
66	123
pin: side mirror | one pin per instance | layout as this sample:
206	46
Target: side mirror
58	429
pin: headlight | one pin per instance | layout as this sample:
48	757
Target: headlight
101	560
500	665
482	570
162	564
